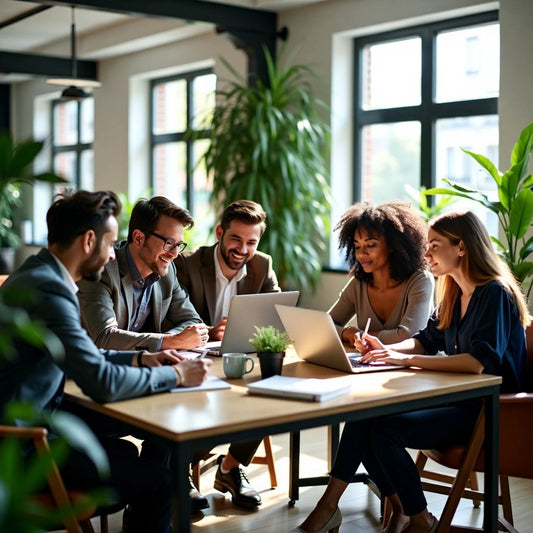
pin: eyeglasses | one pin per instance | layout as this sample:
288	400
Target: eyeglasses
169	244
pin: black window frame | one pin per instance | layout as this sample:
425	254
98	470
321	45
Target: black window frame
428	111
184	136
78	148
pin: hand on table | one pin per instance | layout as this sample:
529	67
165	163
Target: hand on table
192	336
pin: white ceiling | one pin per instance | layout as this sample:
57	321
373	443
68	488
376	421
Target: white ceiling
35	33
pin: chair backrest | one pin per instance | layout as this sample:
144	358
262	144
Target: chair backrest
529	343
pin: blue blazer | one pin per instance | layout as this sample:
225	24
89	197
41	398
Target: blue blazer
37	376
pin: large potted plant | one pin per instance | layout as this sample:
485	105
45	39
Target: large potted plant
268	144
514	206
15	170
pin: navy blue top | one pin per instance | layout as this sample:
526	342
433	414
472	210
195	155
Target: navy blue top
490	331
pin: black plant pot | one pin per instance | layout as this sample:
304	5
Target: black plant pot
271	363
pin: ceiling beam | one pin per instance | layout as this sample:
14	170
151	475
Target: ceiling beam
41	65
22	16
256	20
249	29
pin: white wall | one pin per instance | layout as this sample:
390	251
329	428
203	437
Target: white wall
321	33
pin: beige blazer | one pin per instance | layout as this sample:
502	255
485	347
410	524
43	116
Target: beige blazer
196	274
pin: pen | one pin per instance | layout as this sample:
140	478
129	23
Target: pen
366	327
202	355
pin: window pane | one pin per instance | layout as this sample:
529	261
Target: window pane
87	120
468	63
203	100
203	213
391	74
390	160
87	170
476	134
170	107
65	166
66	123
170	174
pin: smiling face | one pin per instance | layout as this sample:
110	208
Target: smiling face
147	249
237	244
371	251
443	256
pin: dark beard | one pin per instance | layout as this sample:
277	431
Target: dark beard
92	276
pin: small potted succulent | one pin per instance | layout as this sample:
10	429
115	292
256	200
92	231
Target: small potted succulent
270	344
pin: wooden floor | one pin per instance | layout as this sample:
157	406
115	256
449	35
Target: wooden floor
360	508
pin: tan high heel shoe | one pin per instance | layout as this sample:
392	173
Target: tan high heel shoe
331	526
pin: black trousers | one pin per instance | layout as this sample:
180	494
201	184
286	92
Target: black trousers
144	485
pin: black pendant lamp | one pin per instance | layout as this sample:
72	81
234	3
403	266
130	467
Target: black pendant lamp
75	85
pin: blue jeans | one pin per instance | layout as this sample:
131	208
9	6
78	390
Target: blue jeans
380	445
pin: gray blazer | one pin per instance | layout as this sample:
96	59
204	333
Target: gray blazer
35	376
196	273
107	307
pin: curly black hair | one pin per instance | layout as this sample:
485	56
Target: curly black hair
401	225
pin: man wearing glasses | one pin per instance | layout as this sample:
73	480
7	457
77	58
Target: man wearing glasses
138	304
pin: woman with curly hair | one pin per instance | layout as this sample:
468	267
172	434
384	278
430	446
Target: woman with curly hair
391	285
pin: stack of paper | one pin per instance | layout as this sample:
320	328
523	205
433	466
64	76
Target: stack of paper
317	390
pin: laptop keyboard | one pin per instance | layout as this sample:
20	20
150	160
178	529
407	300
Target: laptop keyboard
356	363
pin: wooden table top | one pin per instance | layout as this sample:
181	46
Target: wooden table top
185	416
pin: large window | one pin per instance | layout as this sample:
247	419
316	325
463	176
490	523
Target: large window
181	105
72	141
422	94
70	126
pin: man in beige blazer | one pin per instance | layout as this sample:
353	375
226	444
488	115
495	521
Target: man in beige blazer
214	274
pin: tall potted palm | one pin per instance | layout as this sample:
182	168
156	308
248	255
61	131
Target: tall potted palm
268	144
16	162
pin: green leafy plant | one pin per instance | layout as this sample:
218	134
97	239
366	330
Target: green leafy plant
420	200
268	144
21	478
125	213
15	170
514	206
269	339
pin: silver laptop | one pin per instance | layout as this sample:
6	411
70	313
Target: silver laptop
316	340
245	312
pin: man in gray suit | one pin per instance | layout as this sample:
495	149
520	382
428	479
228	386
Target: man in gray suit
82	230
139	303
212	276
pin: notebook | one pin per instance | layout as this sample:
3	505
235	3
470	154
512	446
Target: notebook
311	389
245	312
316	340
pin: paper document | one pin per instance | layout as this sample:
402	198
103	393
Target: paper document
211	383
317	390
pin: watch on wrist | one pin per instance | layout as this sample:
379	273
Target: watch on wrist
140	359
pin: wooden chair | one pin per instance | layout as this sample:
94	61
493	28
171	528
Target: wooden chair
58	496
268	459
515	444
